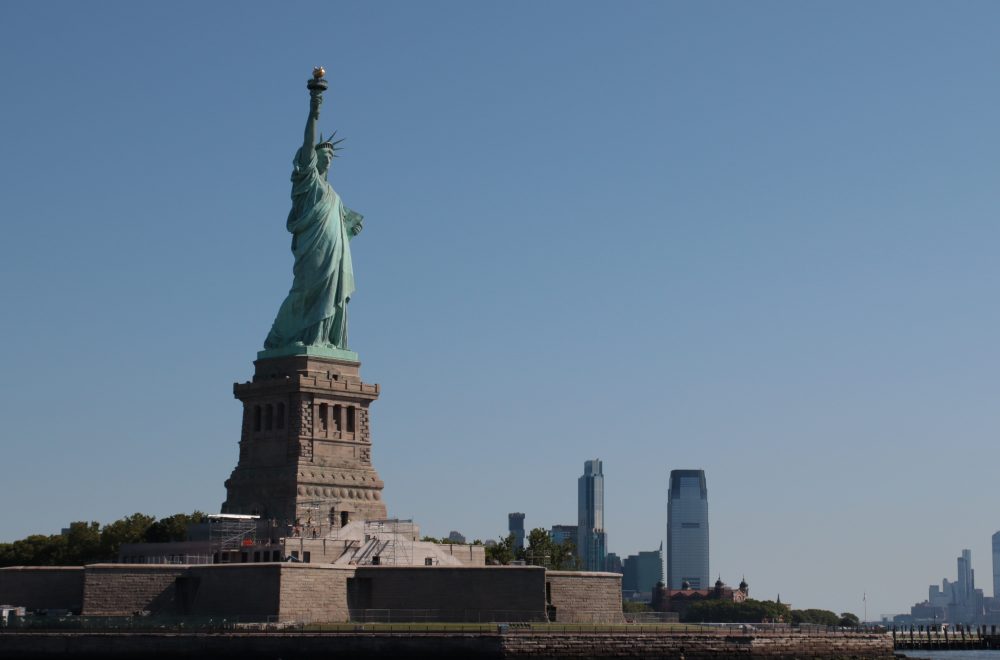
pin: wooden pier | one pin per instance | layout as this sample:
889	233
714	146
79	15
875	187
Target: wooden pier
944	638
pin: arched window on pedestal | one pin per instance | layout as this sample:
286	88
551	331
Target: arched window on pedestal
323	416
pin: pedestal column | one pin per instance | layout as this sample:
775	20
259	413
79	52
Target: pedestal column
305	447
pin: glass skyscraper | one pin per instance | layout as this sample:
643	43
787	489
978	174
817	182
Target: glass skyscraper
966	577
643	571
996	565
515	525
591	541
687	530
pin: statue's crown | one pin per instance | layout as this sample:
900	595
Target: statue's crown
330	143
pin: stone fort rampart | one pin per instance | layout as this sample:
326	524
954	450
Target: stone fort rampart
42	587
319	592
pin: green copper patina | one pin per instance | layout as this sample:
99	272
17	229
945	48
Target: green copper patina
313	318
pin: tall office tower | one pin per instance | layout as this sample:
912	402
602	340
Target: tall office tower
996	565
515	525
965	583
687	530
591	541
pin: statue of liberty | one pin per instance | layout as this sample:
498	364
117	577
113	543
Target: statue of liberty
315	312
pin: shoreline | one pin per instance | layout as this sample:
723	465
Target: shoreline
442	645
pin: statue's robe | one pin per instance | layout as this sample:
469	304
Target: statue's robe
315	311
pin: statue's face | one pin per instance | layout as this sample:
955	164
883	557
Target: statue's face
323	158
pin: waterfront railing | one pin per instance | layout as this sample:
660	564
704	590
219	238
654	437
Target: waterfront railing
398	621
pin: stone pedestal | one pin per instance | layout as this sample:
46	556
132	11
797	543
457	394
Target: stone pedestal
305	450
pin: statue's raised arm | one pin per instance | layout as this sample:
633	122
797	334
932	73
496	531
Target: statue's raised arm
316	88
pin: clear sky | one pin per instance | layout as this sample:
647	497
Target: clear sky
757	238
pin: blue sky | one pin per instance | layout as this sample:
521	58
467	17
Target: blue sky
754	238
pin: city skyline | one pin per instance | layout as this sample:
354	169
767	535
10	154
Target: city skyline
775	222
962	591
958	601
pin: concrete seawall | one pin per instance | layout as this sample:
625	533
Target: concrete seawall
709	645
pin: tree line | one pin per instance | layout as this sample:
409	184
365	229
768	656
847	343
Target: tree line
763	611
90	542
540	550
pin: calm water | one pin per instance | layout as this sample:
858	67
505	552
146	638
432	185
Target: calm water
954	655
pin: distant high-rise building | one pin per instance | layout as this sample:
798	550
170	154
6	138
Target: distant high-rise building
996	565
643	571
515	525
560	533
613	563
592	542
687	530
966	581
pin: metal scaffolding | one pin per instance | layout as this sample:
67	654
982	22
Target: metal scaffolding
310	522
229	531
387	543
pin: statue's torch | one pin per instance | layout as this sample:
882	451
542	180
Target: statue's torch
317	84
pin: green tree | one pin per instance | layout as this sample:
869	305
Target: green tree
82	544
173	528
88	542
849	620
564	556
79	545
724	611
543	551
539	550
502	553
130	529
34	550
814	616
